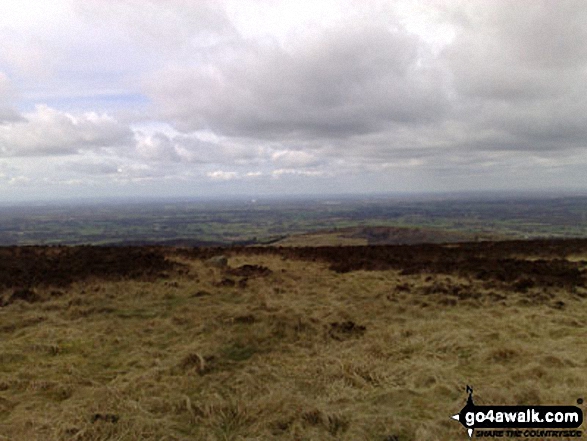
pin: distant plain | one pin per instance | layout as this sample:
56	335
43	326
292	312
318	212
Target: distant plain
446	218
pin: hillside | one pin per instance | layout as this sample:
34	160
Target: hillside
376	235
319	343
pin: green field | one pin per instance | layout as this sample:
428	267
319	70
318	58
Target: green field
266	221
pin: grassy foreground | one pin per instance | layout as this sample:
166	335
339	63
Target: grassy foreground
281	349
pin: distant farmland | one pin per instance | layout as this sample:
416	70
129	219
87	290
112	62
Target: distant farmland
364	220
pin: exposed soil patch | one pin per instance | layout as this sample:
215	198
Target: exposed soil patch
105	417
201	293
246	319
25	295
226	282
250	271
345	330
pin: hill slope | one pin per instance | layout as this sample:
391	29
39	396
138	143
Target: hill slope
352	343
376	235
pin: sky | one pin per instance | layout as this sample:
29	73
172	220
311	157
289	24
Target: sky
198	98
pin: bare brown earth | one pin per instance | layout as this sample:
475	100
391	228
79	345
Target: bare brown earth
304	343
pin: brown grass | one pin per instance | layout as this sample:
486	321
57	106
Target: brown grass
321	239
300	353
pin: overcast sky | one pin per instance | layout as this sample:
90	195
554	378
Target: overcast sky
204	98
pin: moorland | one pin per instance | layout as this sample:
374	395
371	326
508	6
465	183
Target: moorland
371	342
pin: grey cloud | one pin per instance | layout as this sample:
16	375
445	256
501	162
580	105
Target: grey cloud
518	72
7	95
518	50
9	115
189	149
539	125
345	81
533	37
542	34
92	168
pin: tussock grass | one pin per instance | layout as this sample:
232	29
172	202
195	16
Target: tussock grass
303	353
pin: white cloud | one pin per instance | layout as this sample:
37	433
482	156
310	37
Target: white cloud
220	175
48	131
5	87
294	158
289	171
19	180
157	147
28	30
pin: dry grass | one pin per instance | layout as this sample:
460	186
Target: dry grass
321	239
303	353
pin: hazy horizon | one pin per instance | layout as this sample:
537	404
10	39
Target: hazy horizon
220	99
418	197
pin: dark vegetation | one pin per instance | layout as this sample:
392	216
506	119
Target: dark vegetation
26	267
518	264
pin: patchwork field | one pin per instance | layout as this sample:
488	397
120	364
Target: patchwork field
325	343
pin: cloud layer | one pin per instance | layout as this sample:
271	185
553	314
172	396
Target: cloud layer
328	96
